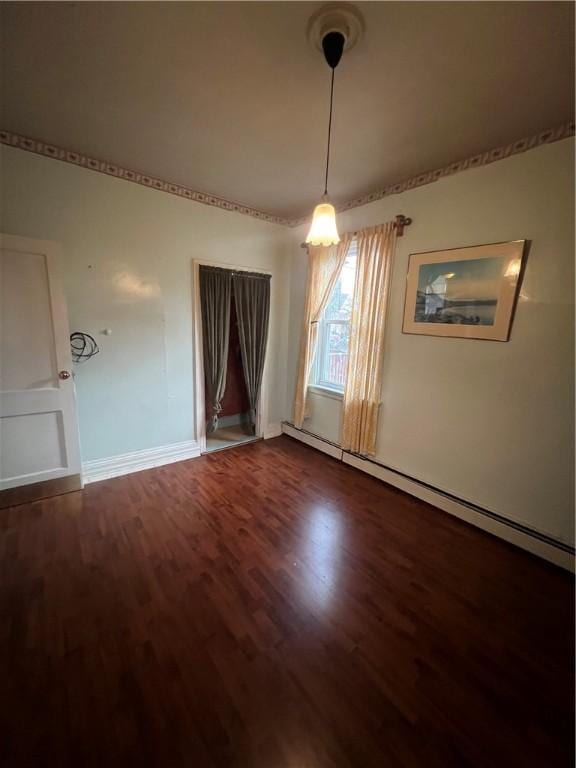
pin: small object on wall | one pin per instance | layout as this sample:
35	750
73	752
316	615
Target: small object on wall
464	292
83	346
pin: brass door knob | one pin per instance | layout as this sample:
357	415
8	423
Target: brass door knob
64	375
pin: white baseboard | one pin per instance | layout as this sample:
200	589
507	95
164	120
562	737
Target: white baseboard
115	466
314	442
524	540
272	430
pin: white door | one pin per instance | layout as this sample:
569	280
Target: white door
39	446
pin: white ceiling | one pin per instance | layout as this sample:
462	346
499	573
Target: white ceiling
230	99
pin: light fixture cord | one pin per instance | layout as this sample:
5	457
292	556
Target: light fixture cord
329	133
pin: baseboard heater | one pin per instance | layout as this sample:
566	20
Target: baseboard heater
547	547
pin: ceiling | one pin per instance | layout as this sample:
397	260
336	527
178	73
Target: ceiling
230	98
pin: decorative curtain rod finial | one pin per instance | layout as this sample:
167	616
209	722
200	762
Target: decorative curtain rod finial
401	221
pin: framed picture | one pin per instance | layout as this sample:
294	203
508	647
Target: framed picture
468	293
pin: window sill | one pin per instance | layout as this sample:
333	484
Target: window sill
325	392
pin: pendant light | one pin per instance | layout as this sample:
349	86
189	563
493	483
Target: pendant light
324	230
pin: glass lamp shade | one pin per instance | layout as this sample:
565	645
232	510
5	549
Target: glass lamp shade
323	230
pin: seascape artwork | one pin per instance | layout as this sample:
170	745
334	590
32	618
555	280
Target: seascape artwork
467	293
459	292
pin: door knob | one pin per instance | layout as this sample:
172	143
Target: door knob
64	375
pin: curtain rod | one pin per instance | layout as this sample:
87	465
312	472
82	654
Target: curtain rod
400	221
243	272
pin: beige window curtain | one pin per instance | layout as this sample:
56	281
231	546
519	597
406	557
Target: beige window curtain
367	327
324	267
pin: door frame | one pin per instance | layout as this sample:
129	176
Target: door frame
198	356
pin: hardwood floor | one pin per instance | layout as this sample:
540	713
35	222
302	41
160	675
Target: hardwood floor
268	607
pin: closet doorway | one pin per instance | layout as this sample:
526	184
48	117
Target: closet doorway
232	307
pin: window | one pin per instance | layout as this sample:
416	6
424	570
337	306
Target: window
331	359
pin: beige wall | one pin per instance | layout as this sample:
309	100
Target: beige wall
487	421
128	254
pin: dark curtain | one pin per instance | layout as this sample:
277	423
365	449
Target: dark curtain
215	298
252	301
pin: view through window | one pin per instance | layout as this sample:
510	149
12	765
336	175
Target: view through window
331	360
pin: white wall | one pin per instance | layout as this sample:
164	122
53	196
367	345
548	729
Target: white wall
490	422
487	421
128	254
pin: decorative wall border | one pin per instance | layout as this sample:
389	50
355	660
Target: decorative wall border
110	169
477	161
101	166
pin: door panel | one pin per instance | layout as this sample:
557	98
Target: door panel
32	365
26	457
38	425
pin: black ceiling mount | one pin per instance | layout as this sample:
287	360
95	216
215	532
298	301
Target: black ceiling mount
333	47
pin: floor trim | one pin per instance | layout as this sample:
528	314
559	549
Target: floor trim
24	494
539	544
249	439
274	429
136	461
313	440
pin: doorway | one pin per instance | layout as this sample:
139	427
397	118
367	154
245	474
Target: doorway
234	422
231	316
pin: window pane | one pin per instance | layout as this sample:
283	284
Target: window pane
340	304
334	330
336	357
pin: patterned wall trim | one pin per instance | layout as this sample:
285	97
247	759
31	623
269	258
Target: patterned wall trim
485	158
101	166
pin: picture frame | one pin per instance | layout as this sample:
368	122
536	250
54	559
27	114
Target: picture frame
466	293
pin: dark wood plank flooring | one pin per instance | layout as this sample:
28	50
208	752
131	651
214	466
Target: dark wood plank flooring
268	607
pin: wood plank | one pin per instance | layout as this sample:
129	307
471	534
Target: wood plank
270	607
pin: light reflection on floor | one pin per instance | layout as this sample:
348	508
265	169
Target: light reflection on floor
321	554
